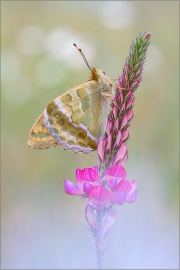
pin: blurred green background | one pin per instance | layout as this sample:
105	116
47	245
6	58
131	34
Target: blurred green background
42	227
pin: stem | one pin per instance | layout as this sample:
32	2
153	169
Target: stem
99	257
99	240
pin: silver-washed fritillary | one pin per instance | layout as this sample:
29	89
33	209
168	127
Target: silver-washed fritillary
75	120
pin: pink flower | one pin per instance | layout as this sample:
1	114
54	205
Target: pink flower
113	189
86	180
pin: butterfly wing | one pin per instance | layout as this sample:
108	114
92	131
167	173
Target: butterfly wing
75	120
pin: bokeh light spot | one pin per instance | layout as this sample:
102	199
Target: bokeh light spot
118	14
59	45
30	39
48	73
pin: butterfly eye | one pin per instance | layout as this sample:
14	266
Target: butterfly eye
104	73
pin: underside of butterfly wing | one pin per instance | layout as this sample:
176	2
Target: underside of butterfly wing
39	136
75	120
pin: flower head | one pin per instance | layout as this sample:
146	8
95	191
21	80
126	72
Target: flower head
113	189
117	134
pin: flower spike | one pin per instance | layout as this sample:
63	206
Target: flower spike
105	185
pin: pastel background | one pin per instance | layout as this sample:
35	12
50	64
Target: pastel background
41	226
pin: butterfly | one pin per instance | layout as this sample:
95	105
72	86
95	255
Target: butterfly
76	120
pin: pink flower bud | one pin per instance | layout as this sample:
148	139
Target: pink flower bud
123	161
124	121
123	107
129	93
101	149
120	85
116	126
128	84
118	140
126	76
115	111
125	135
109	144
121	96
130	115
130	101
109	127
120	154
147	35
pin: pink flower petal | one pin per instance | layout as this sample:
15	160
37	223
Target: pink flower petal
99	197
71	188
131	196
111	183
109	220
117	171
90	215
87	188
133	185
95	168
124	186
87	174
118	198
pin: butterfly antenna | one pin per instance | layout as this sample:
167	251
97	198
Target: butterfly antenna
84	58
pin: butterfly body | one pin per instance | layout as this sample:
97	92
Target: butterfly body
75	120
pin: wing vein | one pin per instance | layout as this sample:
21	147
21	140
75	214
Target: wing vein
86	110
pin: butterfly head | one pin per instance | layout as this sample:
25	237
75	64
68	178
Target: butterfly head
98	74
